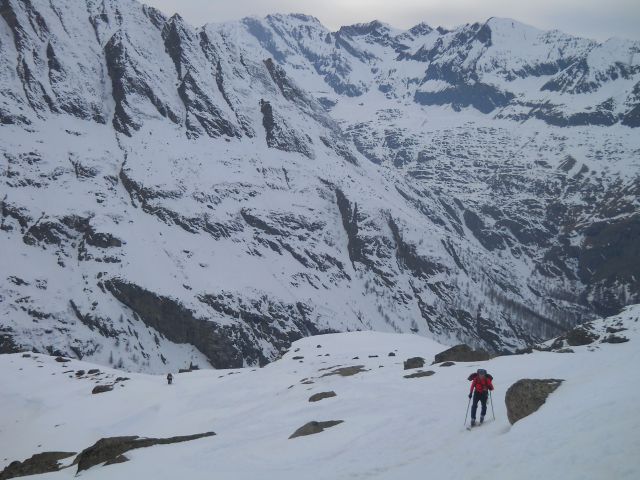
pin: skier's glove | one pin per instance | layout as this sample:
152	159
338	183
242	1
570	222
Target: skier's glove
469	395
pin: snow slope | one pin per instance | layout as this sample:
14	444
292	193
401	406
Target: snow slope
394	428
172	194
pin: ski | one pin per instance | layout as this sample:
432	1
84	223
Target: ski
469	427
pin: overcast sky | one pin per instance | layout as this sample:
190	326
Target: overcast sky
599	19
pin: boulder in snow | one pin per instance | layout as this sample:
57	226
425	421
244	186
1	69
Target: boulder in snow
414	362
609	330
615	339
462	353
101	389
527	395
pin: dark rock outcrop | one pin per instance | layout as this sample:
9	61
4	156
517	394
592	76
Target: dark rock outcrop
316	397
480	96
314	427
282	137
178	323
462	353
111	449
420	374
349	216
527	395
346	371
39	463
126	82
7	344
580	336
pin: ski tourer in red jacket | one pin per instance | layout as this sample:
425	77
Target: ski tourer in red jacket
481	385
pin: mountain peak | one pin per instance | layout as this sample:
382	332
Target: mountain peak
375	27
420	29
297	17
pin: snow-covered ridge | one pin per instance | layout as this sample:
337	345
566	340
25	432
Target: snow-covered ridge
174	194
393	427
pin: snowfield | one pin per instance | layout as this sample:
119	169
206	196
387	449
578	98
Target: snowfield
267	179
394	427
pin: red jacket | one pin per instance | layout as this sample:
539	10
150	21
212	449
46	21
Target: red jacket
481	384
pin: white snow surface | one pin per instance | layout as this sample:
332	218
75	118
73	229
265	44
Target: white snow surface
394	428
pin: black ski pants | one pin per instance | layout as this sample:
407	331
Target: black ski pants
482	398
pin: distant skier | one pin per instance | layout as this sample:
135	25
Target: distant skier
169	378
480	387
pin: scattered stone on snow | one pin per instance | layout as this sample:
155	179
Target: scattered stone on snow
314	427
420	373
316	397
346	371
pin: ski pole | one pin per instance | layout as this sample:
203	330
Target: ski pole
492	412
465	415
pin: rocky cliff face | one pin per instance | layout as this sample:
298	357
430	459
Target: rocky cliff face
173	195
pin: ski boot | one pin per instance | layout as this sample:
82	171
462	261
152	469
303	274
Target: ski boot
481	420
473	422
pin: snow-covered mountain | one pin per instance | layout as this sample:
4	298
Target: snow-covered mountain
393	427
174	194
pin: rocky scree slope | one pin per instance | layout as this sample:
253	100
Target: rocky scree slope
174	194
